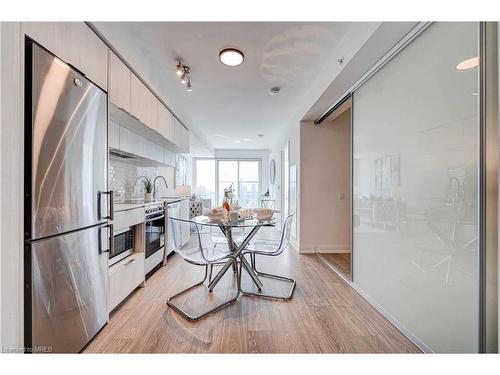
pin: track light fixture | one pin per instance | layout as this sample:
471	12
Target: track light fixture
183	72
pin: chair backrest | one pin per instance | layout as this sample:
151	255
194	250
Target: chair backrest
177	229
285	234
197	246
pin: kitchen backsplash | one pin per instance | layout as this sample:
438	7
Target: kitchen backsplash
122	178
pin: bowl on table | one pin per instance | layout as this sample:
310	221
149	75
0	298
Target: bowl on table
264	213
215	214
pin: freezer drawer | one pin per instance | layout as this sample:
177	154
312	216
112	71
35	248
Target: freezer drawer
68	289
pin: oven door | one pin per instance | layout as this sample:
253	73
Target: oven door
155	234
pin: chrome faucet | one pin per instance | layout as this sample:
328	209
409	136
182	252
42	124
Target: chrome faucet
154	185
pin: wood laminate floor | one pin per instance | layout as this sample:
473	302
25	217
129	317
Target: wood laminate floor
342	261
324	316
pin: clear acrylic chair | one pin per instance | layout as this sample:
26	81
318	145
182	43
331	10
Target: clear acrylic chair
219	238
271	248
198	250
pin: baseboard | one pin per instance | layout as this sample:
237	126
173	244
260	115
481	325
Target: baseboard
405	331
294	244
325	249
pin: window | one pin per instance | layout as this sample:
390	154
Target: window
205	179
243	175
249	184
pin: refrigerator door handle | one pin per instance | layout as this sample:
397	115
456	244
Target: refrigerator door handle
111	237
111	205
111	215
99	241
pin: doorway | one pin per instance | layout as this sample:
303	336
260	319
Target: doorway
334	140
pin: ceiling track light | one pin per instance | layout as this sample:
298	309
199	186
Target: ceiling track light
183	72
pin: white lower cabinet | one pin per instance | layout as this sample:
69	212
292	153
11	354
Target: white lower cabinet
124	277
124	219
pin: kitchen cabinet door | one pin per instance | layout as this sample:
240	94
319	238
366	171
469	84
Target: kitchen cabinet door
170	128
143	104
169	158
93	56
76	44
186	144
132	142
113	135
178	134
124	277
166	123
155	152
119	83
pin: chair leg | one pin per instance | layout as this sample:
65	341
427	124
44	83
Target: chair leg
270	276
192	318
210	274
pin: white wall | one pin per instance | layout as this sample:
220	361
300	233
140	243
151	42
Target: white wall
291	134
325	165
11	185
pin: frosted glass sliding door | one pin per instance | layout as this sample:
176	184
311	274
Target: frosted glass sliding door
415	187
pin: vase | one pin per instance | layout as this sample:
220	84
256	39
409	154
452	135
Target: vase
148	197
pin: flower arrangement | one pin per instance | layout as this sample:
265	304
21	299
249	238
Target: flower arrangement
229	193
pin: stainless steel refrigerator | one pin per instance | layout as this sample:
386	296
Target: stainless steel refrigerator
67	205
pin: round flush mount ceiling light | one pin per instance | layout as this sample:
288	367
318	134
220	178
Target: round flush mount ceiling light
231	57
468	64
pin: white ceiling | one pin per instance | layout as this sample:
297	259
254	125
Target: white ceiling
230	106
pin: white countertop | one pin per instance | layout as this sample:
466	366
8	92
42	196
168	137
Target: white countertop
130	206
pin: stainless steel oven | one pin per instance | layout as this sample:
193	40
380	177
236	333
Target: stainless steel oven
155	236
123	245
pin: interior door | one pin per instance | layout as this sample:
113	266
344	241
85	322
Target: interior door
68	136
69	298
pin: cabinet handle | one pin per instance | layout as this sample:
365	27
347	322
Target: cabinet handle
130	261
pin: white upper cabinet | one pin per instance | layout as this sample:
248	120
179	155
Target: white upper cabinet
133	143
178	134
166	123
185	141
76	44
143	104
181	138
119	83
113	135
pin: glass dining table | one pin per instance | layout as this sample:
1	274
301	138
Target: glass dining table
227	228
